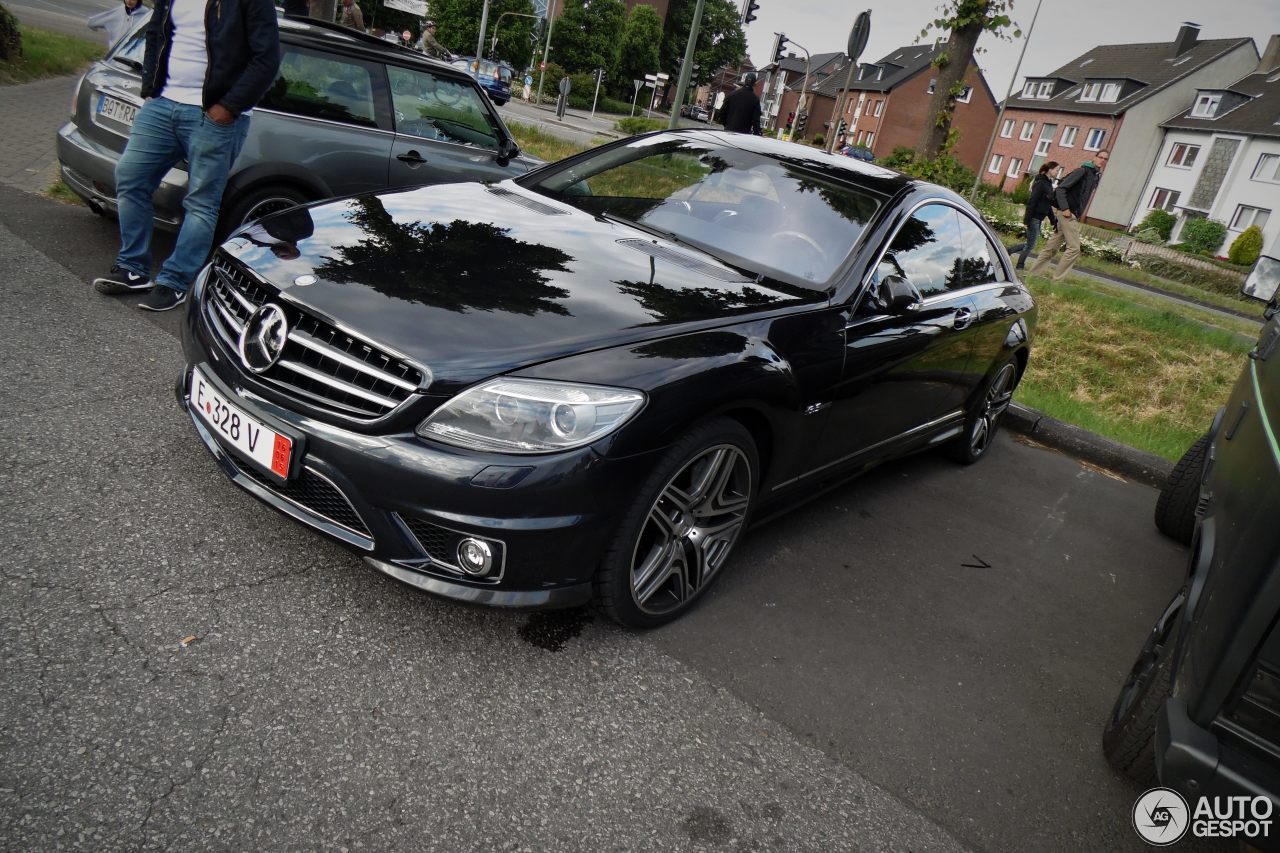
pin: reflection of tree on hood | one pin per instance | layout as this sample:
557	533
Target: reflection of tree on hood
458	266
671	304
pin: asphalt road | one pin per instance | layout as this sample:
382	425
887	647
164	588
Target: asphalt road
921	660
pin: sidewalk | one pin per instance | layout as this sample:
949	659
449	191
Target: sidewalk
33	113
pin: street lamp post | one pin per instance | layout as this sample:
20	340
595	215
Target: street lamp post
484	23
686	67
493	43
804	89
547	50
991	142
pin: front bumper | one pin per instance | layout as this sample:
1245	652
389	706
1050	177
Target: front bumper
89	169
1195	763
404	503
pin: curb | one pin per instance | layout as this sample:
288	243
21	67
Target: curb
1137	465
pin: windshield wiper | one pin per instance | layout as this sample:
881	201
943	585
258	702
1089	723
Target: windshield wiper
680	241
133	64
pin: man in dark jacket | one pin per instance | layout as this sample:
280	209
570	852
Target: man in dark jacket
1071	199
1039	205
207	63
742	108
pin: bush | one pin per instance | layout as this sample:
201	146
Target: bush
1160	220
1150	235
818	139
639	124
10	37
1246	248
1022	192
1223	282
945	170
1204	235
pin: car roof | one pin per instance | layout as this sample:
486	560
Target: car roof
310	32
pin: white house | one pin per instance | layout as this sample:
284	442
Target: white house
1221	158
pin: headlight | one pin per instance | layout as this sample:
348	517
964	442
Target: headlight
530	416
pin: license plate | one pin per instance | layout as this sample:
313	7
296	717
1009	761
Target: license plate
114	108
247	434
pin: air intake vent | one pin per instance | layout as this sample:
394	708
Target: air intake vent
680	259
526	202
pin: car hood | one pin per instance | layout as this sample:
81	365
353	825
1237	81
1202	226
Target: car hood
475	279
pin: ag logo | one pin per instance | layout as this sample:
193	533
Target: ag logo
1161	816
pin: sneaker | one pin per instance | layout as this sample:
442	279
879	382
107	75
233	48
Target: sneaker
163	299
119	281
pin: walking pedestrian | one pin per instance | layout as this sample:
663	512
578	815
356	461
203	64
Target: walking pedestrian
431	47
1070	200
205	67
742	108
1039	205
351	15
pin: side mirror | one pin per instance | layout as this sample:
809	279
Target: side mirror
507	149
897	295
1263	280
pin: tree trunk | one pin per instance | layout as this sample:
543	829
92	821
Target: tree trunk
958	55
324	10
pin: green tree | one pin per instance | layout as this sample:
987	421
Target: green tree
458	29
638	54
963	21
587	35
1246	248
721	40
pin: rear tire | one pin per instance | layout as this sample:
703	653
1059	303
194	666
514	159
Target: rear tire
1176	506
984	420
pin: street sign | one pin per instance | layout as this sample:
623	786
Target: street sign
637	84
859	34
564	85
413	7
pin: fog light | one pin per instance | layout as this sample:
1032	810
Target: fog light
475	556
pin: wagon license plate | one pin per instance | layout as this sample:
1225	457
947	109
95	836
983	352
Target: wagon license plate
114	108
247	434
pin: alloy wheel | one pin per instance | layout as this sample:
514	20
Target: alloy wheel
691	529
268	206
997	399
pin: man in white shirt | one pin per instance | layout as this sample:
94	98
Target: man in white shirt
207	63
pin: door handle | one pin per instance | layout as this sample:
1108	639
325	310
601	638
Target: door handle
962	319
413	158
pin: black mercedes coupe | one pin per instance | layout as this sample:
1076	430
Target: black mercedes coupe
582	385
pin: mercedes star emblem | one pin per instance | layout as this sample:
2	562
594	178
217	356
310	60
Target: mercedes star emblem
263	338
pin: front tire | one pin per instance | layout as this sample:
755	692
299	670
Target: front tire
260	202
1176	506
681	527
981	424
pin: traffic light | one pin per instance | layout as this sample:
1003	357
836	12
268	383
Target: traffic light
800	122
779	44
840	129
749	11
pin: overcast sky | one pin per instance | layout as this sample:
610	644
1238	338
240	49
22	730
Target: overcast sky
1064	30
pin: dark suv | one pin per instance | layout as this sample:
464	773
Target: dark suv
347	114
1201	708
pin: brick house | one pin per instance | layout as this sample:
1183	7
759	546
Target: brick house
888	104
788	74
1114	97
1221	158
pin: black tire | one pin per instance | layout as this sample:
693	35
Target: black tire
693	534
983	420
1176	506
1128	739
258	202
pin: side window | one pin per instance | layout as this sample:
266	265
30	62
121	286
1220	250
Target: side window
980	264
928	250
440	108
318	85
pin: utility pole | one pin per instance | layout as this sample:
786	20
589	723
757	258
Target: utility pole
686	67
991	142
484	23
551	7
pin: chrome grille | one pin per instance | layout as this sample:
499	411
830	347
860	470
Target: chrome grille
321	364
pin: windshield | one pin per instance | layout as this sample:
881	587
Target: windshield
757	212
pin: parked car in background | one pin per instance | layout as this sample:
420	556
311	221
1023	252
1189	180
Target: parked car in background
493	77
583	384
347	114
697	112
1200	710
858	152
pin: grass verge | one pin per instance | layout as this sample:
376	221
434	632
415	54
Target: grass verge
59	191
46	54
1150	377
539	143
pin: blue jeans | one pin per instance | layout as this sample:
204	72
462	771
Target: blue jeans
1025	249
164	133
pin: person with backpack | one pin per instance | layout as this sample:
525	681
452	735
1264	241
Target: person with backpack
1039	205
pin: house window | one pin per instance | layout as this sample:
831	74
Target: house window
1047	132
1163	199
1246	216
879	107
965	95
1006	130
1183	155
1110	93
871	138
861	134
1268	168
1044	90
1093	141
1028	89
1015	167
933	85
997	160
1028	127
1069	134
1090	91
1206	106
